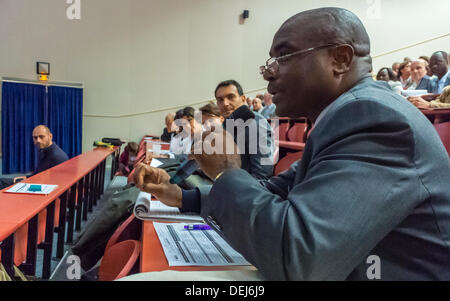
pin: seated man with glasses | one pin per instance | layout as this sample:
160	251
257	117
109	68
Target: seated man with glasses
370	198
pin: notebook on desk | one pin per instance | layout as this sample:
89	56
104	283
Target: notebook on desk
146	209
30	188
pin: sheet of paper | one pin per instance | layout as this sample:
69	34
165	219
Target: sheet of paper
24	188
408	93
196	247
155	163
145	209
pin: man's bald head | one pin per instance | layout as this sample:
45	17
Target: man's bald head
329	53
42	128
42	137
330	25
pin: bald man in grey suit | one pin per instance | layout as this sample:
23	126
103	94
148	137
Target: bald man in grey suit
370	198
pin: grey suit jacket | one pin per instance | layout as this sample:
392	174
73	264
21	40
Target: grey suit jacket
373	180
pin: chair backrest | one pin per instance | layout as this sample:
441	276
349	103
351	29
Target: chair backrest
443	130
297	132
129	229
287	161
119	260
282	131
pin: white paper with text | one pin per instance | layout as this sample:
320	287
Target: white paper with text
196	247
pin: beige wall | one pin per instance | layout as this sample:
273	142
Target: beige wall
153	55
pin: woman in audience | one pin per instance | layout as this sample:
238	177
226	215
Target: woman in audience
127	158
187	126
386	74
395	68
169	130
404	74
211	116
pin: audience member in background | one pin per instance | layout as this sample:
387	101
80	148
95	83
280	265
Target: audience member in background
169	130
394	69
419	75
211	116
128	158
269	107
404	74
427	61
260	96
386	74
439	67
50	154
231	102
181	142
249	101
257	105
441	78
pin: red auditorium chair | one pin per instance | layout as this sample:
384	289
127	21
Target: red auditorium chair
443	130
287	161
119	260
282	128
296	137
129	229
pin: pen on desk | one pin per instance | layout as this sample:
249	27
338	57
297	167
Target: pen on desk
21	187
197	227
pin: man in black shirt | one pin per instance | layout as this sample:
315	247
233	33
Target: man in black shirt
50	154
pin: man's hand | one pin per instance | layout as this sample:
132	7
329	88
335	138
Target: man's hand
157	182
419	102
214	158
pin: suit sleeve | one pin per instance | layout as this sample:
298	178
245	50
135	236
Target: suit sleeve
360	183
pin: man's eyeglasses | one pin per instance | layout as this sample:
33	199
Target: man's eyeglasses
272	64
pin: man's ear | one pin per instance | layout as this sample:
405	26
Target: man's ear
244	99
342	58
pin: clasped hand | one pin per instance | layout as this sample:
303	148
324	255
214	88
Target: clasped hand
157	181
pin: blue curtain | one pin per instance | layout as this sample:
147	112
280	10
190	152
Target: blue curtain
65	118
25	106
22	110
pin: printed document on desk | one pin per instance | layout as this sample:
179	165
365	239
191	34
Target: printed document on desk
196	247
25	188
145	209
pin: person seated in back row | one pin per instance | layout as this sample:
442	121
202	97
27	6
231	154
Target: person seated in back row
269	107
128	158
211	116
257	105
386	74
50	154
169	130
419	75
436	84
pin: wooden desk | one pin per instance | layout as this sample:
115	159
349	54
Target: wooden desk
440	115
80	183
154	260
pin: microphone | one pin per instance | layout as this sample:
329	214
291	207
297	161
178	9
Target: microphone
186	169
